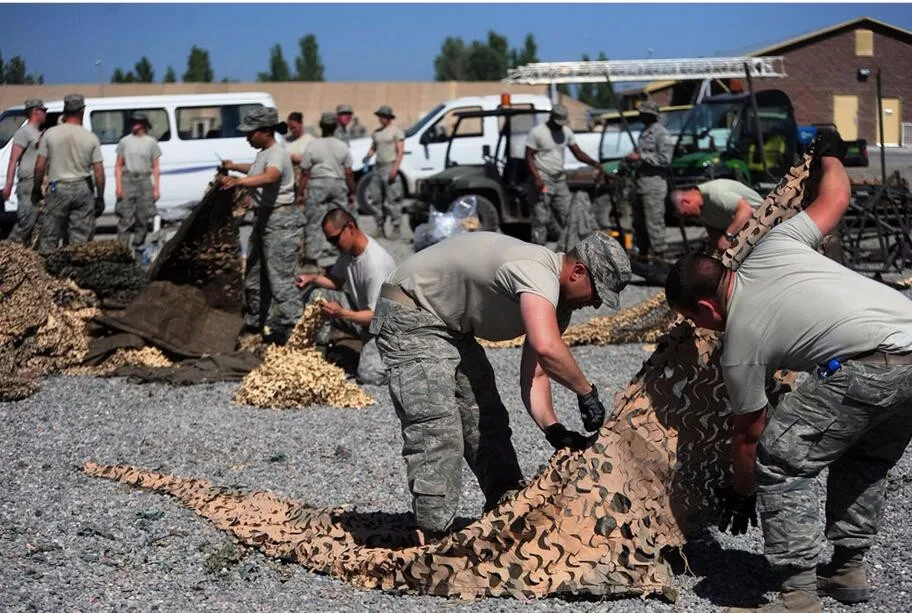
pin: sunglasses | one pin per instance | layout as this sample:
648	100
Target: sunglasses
334	240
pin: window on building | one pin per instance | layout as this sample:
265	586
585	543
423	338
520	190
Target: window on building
864	43
110	126
202	122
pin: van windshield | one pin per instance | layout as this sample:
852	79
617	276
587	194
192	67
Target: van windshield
10	121
423	121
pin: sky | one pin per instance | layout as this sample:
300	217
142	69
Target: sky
392	42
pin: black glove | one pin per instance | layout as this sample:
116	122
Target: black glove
560	437
830	144
591	410
736	510
99	206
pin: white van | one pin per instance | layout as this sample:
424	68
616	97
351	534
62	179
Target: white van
194	132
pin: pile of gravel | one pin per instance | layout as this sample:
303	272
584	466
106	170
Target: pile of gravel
72	542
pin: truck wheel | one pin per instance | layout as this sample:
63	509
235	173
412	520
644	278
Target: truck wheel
363	193
486	211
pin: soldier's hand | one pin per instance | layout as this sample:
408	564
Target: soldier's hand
118	193
227	164
392	177
633	157
332	309
736	511
229	182
156	195
99	206
304	279
830	144
561	438
591	410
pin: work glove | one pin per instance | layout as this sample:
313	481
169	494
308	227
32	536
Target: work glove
736	510
830	144
561	438
99	206
591	410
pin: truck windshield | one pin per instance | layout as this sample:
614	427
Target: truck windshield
423	121
708	126
10	121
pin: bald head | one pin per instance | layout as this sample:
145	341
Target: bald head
687	202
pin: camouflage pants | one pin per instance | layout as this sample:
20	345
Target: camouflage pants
26	213
649	215
271	298
445	396
555	201
857	422
135	210
69	215
323	195
371	370
386	198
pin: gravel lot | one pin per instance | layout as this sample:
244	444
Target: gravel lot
72	542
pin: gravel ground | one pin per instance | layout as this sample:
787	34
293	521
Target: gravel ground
78	543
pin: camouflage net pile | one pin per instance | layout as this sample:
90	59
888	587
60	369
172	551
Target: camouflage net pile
42	321
150	357
644	322
105	267
592	522
297	374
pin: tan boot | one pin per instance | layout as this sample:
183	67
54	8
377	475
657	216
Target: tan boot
791	601
844	578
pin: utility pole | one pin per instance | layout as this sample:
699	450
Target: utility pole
880	128
100	71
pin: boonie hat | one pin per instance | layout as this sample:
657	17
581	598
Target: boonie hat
385	111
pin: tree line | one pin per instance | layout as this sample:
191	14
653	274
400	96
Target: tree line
14	72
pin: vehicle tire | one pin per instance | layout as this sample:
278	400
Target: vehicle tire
363	196
522	231
487	213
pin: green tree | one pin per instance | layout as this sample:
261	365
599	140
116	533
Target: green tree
143	71
308	65
586	92
14	72
170	77
199	70
450	63
278	67
527	55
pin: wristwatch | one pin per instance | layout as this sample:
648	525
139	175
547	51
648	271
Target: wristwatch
730	237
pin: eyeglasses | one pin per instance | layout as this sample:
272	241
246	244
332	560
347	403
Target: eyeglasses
334	240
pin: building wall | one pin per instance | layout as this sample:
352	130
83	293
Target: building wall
410	100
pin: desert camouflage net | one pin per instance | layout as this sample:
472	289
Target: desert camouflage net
297	374
42	321
150	357
105	267
592	522
644	322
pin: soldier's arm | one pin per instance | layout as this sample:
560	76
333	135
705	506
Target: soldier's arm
267	177
664	148
244	168
15	154
530	160
833	197
156	172
40	167
535	388
743	212
746	432
98	167
118	175
582	156
544	338
400	151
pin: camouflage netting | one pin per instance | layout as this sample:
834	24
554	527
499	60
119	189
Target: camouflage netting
297	374
105	267
644	322
151	357
592	522
42	321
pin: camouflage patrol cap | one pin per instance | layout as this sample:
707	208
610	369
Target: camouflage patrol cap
34	103
385	111
328	119
344	108
560	115
73	102
260	117
608	265
649	108
138	116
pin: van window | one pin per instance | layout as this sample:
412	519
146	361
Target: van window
112	125
10	121
200	122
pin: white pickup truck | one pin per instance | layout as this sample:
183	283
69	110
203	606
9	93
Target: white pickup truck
426	141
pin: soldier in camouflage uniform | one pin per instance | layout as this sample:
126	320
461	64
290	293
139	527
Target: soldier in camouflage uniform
546	149
23	154
71	155
440	380
326	178
136	172
386	190
344	114
272	303
788	306
654	153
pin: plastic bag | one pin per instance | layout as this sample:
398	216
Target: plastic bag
438	227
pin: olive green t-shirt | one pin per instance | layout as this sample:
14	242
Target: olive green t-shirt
70	151
473	282
720	201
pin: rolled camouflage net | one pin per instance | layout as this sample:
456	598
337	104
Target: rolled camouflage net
592	522
105	267
297	374
42	321
644	322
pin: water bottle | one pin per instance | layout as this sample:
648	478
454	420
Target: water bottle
825	370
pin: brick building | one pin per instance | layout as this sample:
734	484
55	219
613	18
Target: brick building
832	79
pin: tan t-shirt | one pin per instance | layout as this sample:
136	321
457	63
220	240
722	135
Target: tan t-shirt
550	148
793	308
326	158
385	140
473	282
27	137
280	192
720	202
138	152
70	151
298	145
